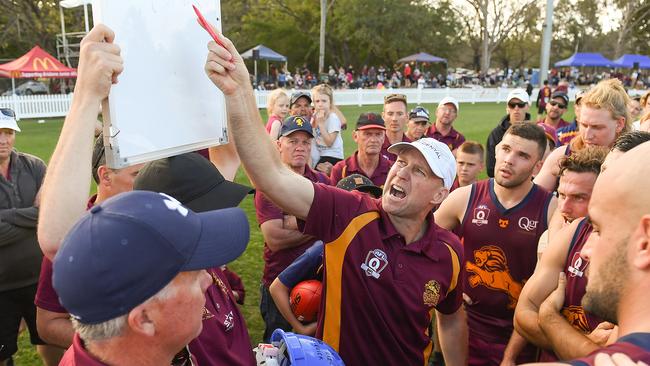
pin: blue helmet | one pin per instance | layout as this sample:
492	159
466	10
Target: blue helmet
304	350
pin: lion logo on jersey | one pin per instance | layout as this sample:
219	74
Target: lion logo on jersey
431	294
575	315
490	269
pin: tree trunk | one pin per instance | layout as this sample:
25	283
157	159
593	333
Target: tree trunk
323	21
485	53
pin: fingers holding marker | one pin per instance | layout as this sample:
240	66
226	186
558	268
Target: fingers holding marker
220	55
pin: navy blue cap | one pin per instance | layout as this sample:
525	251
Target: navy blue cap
125	250
292	124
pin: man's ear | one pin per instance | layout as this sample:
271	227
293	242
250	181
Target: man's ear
640	240
104	174
140	322
439	196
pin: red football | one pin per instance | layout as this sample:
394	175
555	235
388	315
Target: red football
305	300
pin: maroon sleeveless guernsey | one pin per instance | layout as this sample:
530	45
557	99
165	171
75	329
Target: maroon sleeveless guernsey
575	268
635	345
501	254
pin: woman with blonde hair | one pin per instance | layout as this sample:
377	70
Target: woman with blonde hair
277	107
327	146
604	116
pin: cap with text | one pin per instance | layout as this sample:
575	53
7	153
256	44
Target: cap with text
438	156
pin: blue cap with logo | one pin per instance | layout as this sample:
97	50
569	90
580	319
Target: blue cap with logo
125	250
292	124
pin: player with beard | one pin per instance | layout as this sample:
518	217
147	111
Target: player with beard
500	221
619	260
603	117
580	333
559	306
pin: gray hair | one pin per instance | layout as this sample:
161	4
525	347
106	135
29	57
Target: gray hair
115	327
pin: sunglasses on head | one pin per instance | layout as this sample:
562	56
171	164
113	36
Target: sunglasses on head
8	112
512	105
557	104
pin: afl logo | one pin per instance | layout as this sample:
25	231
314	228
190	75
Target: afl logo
376	261
481	214
527	224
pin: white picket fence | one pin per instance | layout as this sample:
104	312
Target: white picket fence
57	105
38	106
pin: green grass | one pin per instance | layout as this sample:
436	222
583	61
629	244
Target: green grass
475	121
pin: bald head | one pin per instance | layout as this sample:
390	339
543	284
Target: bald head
618	187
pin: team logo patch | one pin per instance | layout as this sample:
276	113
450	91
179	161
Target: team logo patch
299	121
490	269
527	224
431	294
376	261
503	223
206	314
578	266
228	322
481	214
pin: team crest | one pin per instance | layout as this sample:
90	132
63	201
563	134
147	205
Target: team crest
503	223
490	269
578	266
376	261
431	294
299	121
206	314
481	214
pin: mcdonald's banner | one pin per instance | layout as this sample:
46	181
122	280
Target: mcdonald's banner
36	64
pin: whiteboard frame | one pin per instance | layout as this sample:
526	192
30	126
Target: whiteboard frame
130	140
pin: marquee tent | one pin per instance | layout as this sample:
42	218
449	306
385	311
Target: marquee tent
628	61
35	64
421	57
585	59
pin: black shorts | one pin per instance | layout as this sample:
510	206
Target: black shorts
16	305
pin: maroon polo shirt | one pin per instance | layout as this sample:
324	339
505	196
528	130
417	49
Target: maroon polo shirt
561	124
46	297
380	293
453	139
351	166
276	262
77	355
384	148
224	339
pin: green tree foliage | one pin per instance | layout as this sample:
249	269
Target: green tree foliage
358	31
26	23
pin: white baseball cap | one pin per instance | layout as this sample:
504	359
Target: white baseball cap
449	100
440	159
519	94
8	119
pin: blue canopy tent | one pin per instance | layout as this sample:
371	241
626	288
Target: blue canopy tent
628	61
265	53
585	59
421	57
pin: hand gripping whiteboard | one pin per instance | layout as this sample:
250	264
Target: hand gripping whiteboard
163	104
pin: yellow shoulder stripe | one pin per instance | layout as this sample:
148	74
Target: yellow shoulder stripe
334	256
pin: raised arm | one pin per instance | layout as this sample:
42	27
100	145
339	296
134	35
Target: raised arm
293	193
67	181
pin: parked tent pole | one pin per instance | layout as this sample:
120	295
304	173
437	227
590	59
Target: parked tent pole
13	97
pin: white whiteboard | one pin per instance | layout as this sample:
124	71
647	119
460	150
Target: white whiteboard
163	104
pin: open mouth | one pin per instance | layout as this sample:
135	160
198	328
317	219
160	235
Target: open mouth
397	191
